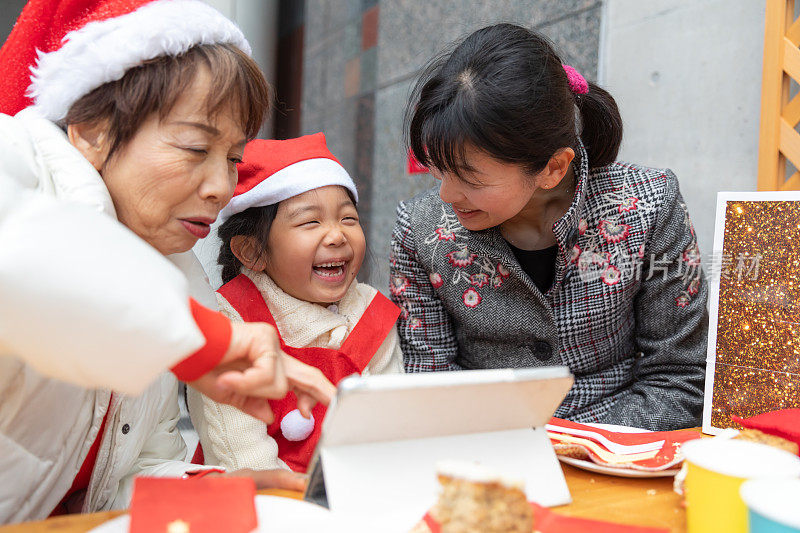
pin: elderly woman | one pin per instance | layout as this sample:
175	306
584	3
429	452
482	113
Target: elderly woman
118	163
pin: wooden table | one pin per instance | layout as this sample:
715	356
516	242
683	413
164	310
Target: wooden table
643	502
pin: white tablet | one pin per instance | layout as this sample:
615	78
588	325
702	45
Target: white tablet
383	435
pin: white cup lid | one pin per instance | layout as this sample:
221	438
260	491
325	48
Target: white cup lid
776	499
742	459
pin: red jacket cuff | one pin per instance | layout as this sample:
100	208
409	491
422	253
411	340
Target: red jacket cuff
217	330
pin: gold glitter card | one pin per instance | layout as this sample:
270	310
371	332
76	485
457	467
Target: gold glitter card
754	327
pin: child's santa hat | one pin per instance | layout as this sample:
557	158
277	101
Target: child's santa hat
272	171
61	50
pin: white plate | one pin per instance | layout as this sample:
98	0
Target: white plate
278	515
610	470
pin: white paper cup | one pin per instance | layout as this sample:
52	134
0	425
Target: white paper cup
773	505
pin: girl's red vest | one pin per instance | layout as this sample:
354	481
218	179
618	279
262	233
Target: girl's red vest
353	357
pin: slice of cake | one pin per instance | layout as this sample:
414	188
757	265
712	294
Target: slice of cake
571	450
754	435
475	498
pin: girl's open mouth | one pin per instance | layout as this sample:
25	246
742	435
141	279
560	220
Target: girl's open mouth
332	271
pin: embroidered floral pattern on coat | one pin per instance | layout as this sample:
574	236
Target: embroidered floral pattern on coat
398	285
471	269
603	253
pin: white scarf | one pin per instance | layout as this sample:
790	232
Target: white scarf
303	324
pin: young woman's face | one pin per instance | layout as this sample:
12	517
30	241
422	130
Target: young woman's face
492	193
316	245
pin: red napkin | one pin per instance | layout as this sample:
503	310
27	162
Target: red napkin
784	423
546	521
193	505
668	455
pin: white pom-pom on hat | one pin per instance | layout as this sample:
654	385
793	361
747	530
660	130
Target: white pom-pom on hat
295	427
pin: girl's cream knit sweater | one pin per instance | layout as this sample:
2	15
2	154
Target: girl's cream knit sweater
235	440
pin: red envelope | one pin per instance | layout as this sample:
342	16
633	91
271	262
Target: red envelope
546	521
203	505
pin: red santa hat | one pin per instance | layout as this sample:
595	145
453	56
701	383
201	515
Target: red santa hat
61	50
272	171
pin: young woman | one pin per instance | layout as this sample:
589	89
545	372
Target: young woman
539	248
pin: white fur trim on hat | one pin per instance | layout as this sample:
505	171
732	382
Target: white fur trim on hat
290	181
103	51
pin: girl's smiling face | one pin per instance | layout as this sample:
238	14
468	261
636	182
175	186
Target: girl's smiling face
316	245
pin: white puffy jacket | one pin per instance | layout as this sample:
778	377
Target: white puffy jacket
85	307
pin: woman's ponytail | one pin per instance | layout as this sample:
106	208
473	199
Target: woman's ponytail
601	125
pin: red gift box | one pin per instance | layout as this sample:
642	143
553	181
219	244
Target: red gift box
176	505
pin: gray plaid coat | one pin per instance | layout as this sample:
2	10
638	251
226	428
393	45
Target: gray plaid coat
626	312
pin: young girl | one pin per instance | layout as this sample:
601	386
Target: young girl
291	248
539	248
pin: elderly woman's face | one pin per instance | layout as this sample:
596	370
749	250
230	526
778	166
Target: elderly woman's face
175	175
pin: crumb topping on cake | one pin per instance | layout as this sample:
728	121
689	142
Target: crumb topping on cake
476	473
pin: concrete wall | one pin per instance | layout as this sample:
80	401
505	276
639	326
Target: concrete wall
258	20
356	91
8	15
687	77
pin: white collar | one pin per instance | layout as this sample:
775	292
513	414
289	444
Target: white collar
63	171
